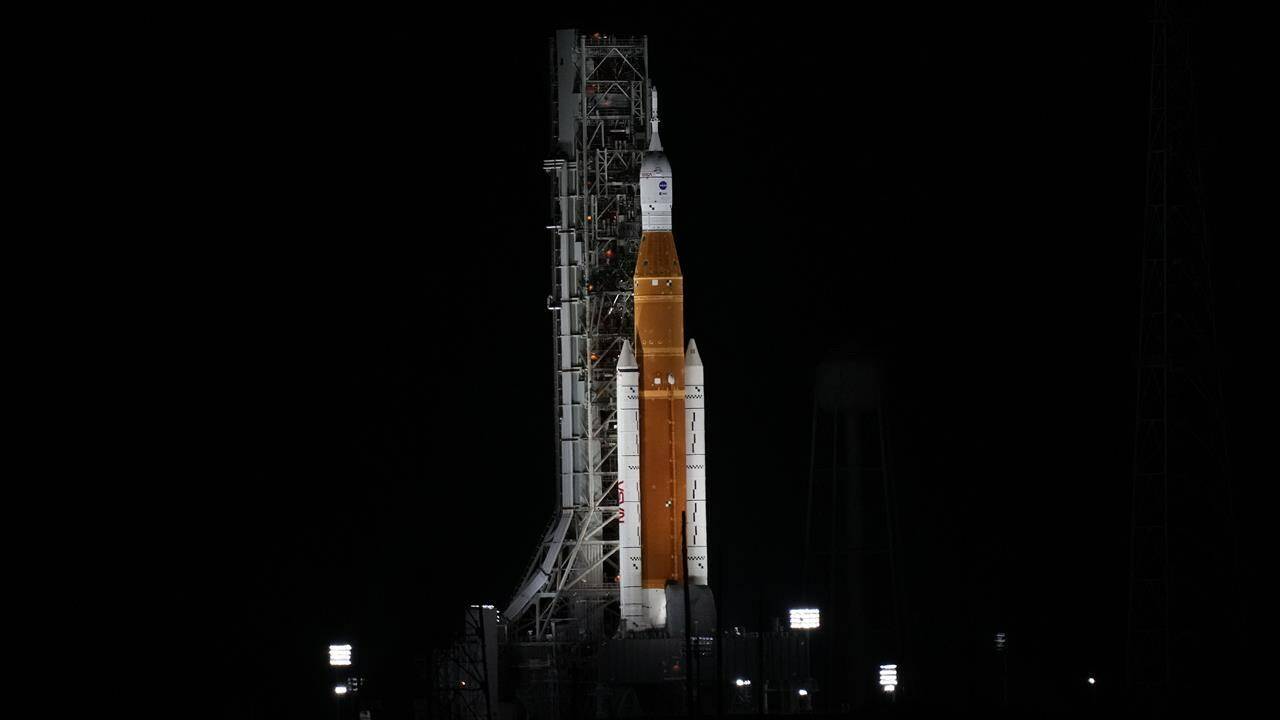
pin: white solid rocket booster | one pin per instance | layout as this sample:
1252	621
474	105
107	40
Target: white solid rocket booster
630	559
695	414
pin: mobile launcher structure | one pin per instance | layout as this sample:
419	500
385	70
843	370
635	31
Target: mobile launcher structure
614	615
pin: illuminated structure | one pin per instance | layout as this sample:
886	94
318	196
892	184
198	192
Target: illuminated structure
614	613
661	419
600	126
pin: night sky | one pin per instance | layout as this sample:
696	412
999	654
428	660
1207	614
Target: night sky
956	193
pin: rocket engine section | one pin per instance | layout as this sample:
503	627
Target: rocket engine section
661	427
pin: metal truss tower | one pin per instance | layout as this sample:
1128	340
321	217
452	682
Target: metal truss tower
464	682
600	128
1181	553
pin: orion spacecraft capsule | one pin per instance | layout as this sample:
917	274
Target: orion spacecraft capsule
661	419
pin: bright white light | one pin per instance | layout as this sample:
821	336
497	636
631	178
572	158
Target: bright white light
802	692
805	618
339	654
888	677
740	682
340	690
1092	681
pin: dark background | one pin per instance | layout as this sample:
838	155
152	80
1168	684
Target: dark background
956	192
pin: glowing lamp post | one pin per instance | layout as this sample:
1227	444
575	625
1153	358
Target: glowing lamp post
806	619
339	655
889	678
803	702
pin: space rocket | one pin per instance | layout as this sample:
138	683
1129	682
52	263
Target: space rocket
662	482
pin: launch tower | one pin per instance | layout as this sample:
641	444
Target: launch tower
600	131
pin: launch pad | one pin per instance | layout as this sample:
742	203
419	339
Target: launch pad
615	616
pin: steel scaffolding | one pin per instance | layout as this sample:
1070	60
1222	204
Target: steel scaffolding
1181	592
465	674
600	130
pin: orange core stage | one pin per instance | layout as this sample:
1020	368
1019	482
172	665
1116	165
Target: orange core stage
659	323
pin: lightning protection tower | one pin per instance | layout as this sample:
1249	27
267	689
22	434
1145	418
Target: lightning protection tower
850	567
1182	550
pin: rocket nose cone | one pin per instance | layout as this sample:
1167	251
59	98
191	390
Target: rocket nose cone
655	142
627	358
691	356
